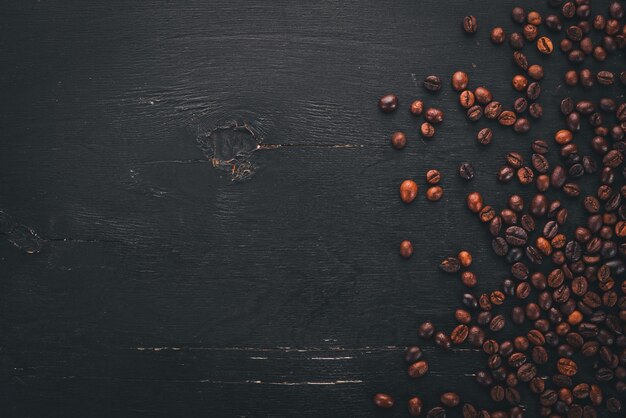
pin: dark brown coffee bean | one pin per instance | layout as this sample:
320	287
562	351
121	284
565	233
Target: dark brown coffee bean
459	334
436	412
515	235
406	249
470	24
507	118
544	45
520	105
483	95
415	406
443	340
388	103
398	140
382	400
433	115
466	171
605	78
426	330
427	130
498	35
567	367
467	99
450	399
450	265
408	191
418	369
433	176
460	80
432	83
520	60
492	110
474	113
417	108
484	136
516	40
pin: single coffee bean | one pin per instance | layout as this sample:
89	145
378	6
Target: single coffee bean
516	40
427	130
474	202
507	118
460	80
382	400
388	103
442	340
474	113
515	235
450	265
433	176
544	45
418	369
450	399
518	15
498	35
398	140
483	95
412	354
426	330
408	191
417	108
406	249
467	99
432	83
466	171
492	110
434	193
605	78
520	60
459	334
436	412
484	136
520	105
415	406
433	115
470	24
567	367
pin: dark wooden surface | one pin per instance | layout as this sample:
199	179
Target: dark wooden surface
137	279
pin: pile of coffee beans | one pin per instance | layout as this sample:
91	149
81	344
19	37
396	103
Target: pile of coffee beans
564	297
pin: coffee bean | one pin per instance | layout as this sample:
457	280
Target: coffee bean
436	412
450	399
432	83
484	136
474	113
474	202
520	60
406	249
567	367
466	171
518	15
434	193
433	115
459	334
415	406
427	130
498	35
426	330
605	78
460	80
525	175
433	176
467	99
412	354
492	110
520	105
442	340
521	125
388	103
398	140
483	95
507	118
408	191
470	24
382	400
515	235
418	369
544	45
500	246
417	108
450	265
516	40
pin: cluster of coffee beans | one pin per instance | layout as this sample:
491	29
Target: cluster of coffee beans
565	293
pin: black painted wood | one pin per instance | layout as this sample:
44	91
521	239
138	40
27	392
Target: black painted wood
140	280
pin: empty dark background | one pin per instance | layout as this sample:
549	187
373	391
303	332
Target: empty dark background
138	280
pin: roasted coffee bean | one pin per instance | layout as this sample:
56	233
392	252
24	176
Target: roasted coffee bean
484	136
507	118
442	340
450	265
544	45
427	130
434	193
408	191
492	110
483	95
406	249
450	399
474	113
460	80
382	400
518	15
520	105
470	24
605	78
417	108
520	60
433	115
433	176
398	140
432	83
467	99
412	354
521	125
426	330
415	406
567	367
436	412
459	334
516	40
498	35
515	235
533	91
466	171
525	175
418	369
388	103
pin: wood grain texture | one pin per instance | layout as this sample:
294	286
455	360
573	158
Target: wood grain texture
159	287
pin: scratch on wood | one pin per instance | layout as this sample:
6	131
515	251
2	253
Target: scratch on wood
20	235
